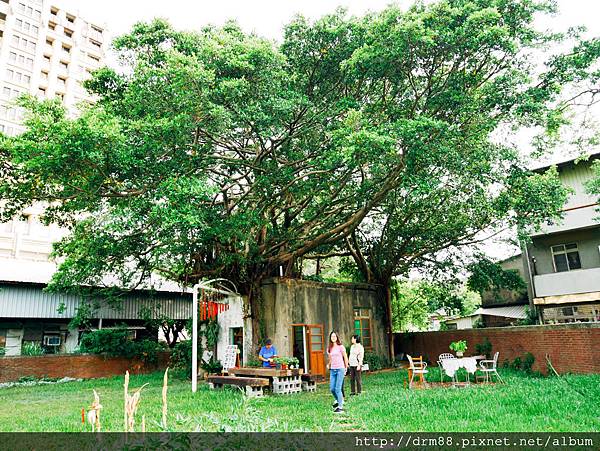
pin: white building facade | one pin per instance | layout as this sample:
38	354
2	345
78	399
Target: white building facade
47	52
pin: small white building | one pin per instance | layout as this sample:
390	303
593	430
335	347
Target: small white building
490	317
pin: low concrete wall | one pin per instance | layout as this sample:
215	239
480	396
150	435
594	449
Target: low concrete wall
572	348
76	366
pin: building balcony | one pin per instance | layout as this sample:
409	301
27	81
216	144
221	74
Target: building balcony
576	282
576	219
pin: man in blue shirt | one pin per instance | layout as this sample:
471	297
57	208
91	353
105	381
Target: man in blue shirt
267	353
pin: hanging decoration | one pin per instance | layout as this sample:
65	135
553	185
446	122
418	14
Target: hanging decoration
211	305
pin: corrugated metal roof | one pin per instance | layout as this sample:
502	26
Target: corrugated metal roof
513	311
22	301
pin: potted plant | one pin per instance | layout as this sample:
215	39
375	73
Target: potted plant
280	363
459	347
294	363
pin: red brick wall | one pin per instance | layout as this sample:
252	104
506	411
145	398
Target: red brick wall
76	366
572	348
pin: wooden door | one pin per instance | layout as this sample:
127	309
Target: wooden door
316	349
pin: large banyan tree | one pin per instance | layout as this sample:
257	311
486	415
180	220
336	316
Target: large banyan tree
222	154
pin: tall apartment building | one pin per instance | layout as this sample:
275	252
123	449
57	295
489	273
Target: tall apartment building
47	52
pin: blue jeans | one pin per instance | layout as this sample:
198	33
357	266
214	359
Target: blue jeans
336	380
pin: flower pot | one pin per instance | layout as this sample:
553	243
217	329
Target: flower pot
284	366
459	353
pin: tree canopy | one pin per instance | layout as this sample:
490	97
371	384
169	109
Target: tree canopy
220	153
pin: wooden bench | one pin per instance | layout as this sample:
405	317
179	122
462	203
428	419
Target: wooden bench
253	386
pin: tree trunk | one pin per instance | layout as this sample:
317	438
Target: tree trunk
389	325
253	305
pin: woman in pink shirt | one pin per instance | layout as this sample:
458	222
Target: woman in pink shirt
338	363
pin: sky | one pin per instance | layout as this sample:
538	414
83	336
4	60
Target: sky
268	17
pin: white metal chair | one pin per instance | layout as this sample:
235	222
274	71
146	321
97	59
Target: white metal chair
444	356
416	368
489	368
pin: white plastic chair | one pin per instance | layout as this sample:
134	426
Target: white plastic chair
489	368
444	356
416	368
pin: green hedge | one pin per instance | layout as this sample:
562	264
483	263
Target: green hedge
376	361
116	343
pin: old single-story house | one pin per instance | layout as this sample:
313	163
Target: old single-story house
298	315
28	314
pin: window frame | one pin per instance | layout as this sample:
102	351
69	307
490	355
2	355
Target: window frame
363	315
565	252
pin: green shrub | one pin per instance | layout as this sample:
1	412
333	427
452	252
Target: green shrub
31	348
376	361
517	364
147	350
528	361
478	324
181	357
25	379
530	318
2	351
484	348
110	342
116	343
213	366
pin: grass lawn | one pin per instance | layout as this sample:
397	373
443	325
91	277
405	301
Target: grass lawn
523	404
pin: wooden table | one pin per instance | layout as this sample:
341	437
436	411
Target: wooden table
280	381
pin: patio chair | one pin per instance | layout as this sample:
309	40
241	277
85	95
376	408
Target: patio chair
489	368
416	367
444	356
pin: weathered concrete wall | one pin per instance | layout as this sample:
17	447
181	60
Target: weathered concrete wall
232	318
292	301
